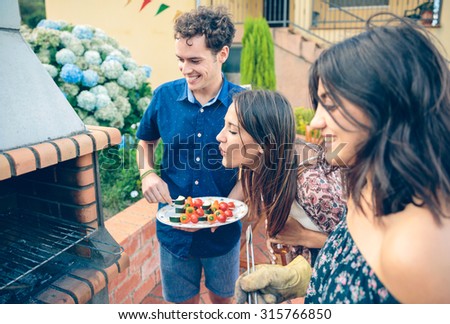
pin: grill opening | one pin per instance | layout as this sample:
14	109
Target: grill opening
28	241
23	290
37	249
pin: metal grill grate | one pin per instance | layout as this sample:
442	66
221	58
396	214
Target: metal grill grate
28	241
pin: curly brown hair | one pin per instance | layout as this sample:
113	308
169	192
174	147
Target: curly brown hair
214	23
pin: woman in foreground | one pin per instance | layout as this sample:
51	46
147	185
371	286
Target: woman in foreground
382	102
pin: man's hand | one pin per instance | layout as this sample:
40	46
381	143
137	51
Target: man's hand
275	283
155	189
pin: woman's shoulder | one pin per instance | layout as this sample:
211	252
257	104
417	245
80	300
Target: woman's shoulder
415	257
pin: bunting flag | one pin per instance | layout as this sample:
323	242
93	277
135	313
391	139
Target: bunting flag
146	2
161	8
177	14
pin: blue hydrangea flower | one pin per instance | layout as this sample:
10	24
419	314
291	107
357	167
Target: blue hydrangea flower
86	100
71	73
90	78
44	23
92	57
130	64
102	101
113	89
82	32
143	103
112	69
69	90
65	56
148	70
99	90
53	71
115	55
127	80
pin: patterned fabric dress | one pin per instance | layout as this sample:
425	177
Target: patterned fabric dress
342	275
320	194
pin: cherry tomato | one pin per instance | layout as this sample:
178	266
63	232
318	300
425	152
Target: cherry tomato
221	218
200	211
190	210
197	203
223	206
184	219
228	213
211	218
231	205
194	218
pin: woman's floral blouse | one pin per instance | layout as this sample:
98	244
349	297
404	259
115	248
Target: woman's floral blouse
320	194
342	275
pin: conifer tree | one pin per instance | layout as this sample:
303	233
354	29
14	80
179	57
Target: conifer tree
257	58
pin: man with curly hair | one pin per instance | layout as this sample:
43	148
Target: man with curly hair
186	114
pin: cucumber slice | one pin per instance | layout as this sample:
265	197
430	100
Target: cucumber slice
175	219
180	200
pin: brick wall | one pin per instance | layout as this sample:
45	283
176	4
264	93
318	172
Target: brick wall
135	230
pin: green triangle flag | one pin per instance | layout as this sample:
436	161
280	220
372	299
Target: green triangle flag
162	7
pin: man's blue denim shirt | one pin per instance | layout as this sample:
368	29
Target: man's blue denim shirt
192	163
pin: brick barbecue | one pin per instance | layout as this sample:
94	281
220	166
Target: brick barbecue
54	247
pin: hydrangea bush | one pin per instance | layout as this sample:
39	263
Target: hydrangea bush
98	77
106	87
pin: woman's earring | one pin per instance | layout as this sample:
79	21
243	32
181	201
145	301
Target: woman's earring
240	172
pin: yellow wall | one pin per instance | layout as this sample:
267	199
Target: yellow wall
148	37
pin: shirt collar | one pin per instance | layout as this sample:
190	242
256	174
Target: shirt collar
222	95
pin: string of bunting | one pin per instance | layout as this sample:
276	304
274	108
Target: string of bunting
161	8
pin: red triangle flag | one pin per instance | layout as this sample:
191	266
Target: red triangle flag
146	2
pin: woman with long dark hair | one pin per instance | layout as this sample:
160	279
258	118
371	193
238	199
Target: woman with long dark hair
282	176
382	99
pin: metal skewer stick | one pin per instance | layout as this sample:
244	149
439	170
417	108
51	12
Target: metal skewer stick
250	261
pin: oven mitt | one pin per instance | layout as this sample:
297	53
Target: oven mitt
275	283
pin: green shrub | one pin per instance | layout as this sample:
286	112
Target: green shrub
119	175
32	11
258	58
119	178
303	117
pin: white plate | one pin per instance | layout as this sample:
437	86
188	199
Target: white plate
239	211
